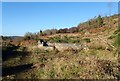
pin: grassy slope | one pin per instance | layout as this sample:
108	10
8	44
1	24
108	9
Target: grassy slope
98	62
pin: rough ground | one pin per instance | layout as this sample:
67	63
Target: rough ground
27	63
98	59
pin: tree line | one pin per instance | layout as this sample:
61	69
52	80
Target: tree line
96	22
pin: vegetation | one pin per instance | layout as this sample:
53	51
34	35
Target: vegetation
112	37
65	39
100	21
97	58
87	40
63	65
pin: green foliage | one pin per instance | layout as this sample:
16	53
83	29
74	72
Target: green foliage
112	37
57	39
100	21
87	40
93	52
80	30
50	31
52	72
41	33
40	72
28	36
74	41
5	38
117	31
117	41
65	39
89	23
39	51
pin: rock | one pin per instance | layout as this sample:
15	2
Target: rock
109	49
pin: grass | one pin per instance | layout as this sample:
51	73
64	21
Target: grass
95	63
93	52
52	73
91	64
65	65
67	62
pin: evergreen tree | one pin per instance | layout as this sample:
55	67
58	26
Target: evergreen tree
41	33
100	21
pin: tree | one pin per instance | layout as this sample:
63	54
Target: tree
54	31
100	21
61	31
89	23
28	36
47	32
50	31
66	30
41	33
73	29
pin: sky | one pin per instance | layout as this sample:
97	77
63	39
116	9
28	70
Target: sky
19	18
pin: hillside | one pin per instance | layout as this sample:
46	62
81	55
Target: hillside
97	59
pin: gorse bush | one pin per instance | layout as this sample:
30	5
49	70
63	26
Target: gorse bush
117	31
64	39
74	41
112	37
87	40
100	21
93	52
60	40
117	40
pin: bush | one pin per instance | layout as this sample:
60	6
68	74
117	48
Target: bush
57	39
93	52
111	37
87	40
65	39
117	31
74	41
100	21
117	41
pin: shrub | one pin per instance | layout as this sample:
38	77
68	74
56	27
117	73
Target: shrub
87	40
111	37
100	21
65	39
57	39
93	52
117	41
74	41
117	31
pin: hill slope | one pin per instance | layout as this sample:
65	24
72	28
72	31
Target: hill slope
97	60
